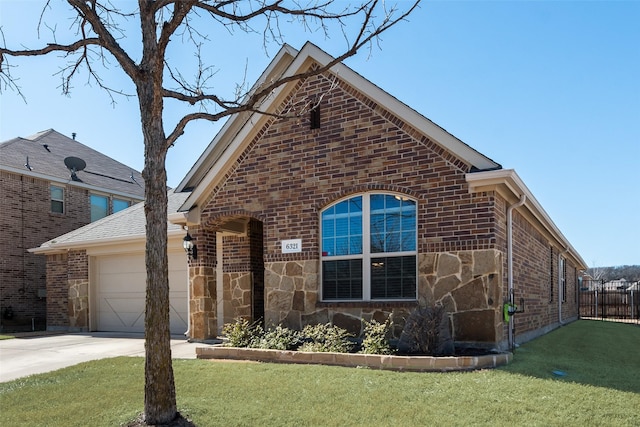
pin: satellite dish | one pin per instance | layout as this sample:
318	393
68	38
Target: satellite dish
75	164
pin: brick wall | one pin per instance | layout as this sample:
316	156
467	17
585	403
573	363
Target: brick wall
27	221
289	173
57	294
535	278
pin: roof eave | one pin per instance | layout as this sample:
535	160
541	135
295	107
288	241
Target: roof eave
61	247
67	182
510	186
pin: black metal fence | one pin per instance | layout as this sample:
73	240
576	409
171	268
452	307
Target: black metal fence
610	300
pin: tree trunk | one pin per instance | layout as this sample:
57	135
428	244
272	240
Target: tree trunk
159	393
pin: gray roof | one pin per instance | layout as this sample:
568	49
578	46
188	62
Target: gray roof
129	223
44	153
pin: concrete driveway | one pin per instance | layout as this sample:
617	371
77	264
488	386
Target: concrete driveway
24	356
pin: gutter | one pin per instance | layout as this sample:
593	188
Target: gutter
510	209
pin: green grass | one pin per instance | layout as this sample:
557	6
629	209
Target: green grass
601	387
6	337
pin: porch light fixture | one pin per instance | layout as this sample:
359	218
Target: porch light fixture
189	247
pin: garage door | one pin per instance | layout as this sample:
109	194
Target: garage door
120	292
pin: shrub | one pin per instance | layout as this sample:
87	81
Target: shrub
326	338
375	337
426	331
280	338
241	333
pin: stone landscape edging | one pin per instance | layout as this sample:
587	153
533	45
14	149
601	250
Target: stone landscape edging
373	361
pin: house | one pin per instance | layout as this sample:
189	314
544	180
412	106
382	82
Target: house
353	207
96	274
362	208
50	184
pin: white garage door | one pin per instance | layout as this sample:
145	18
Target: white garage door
120	292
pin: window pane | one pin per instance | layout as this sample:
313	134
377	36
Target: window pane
57	193
342	228
393	224
99	207
342	246
408	241
328	247
57	206
393	278
119	205
328	229
342	280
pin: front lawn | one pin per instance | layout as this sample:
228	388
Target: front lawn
596	382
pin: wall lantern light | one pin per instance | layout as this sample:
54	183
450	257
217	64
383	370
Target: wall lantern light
189	247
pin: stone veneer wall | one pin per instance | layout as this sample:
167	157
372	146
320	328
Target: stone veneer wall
468	283
237	295
202	302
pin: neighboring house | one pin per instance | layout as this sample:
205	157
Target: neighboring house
49	185
96	275
358	207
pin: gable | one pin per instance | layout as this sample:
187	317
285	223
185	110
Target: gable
231	142
288	172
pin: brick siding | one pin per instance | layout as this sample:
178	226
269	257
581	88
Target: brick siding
289	172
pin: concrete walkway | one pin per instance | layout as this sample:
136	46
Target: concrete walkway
20	357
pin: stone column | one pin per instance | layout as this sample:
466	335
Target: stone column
202	305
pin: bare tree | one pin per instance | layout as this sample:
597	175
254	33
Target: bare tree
96	35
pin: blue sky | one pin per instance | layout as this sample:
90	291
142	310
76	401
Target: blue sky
548	88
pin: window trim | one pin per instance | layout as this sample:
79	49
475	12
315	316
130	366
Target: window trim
366	256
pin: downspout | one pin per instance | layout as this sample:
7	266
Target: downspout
523	198
560	291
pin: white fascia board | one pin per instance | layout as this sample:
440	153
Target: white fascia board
68	182
510	185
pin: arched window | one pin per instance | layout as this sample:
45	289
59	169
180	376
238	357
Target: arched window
369	248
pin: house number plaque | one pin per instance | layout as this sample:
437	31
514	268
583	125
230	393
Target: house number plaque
291	246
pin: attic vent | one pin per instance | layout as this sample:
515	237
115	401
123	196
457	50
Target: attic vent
314	117
75	164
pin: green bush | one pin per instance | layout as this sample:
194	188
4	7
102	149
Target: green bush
279	338
375	337
326	338
241	333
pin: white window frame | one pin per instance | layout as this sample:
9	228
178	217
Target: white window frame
366	254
